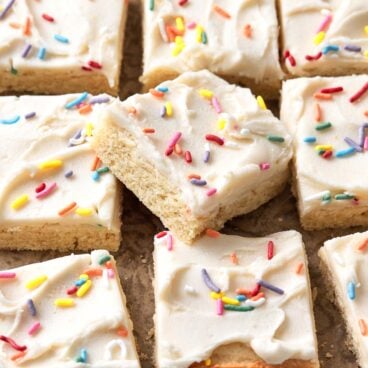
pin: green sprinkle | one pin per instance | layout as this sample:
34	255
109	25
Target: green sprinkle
275	138
204	38
104	259
323	126
238	308
326	198
343	196
102	170
152	5
13	71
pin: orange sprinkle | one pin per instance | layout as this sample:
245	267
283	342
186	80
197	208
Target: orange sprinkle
91	272
27	27
245	292
95	164
363	245
366	113
318	112
363	327
194	176
221	12
258	296
170	33
109	265
85	109
323	96
122	331
15	25
67	209
299	268
178	149
212	233
248	31
148	130
16	356
234	258
132	110
156	93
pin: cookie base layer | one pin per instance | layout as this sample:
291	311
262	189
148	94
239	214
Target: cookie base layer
58	237
117	148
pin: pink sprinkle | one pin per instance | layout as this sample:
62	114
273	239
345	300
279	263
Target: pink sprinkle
46	191
365	144
264	166
173	141
211	192
34	328
169	242
220	307
326	22
110	273
216	105
8	275
191	25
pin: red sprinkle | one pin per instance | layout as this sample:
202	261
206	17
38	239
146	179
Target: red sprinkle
156	93
182	2
94	64
161	234
40	188
86	68
359	94
270	249
314	57
332	90
47	17
256	290
12	343
72	290
288	56
327	154
188	157
214	138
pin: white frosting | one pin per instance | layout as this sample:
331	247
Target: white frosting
301	21
188	329
92	324
233	168
353	269
91	27
227	50
317	176
29	142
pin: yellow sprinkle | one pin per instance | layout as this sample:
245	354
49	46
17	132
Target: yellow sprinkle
323	147
366	29
180	24
84	288
84	211
83	276
207	362
51	164
36	282
89	129
179	46
319	37
221	124
64	303
169	109
231	301
199	31
215	295
206	93
366	54
20	202
261	103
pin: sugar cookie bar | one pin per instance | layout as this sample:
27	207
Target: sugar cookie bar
328	119
344	264
237	40
327	37
51	47
231	301
196	151
54	192
66	312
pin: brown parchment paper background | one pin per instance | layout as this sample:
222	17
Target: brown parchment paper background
135	256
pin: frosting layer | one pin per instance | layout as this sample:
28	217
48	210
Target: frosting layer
185	298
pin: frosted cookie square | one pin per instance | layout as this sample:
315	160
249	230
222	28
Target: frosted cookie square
51	47
328	37
196	151
66	312
233	302
344	264
235	40
328	120
55	193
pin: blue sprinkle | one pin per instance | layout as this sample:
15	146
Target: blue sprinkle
42	53
241	298
353	48
310	139
207	155
82	358
68	174
198	182
330	48
31	307
95	176
80	282
163	89
10	121
30	115
353	144
351	290
61	38
77	101
345	152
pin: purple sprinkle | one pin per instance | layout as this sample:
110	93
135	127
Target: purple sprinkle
207	280
31	307
271	287
163	111
26	50
353	48
362	134
68	174
198	182
30	115
6	9
353	144
99	100
207	155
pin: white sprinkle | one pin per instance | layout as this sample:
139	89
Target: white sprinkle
255	303
230	144
190	289
244	131
161	26
105	278
317	196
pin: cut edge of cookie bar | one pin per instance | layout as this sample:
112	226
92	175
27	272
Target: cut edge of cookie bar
118	149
